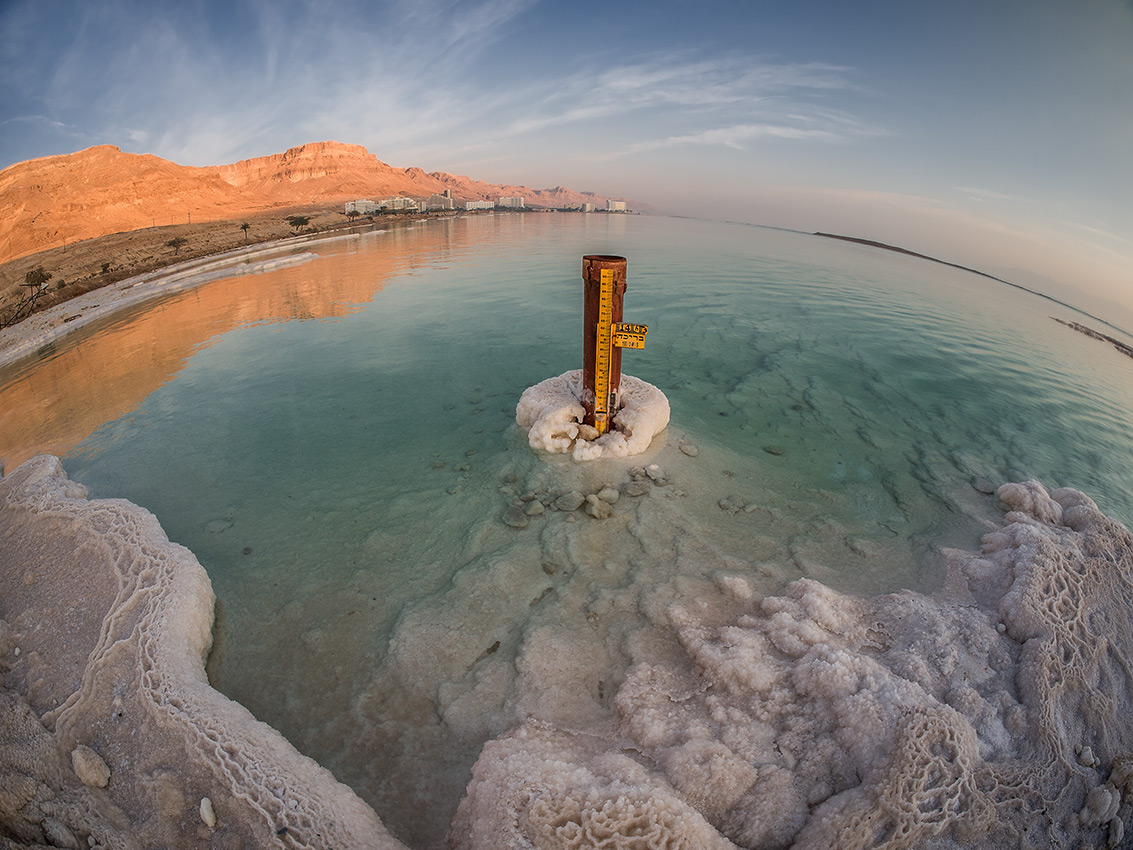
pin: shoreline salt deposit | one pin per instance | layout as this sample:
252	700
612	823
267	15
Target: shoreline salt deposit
53	324
551	412
113	737
992	713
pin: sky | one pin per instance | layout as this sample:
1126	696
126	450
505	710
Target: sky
996	134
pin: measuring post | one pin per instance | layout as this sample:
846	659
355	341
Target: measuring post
603	337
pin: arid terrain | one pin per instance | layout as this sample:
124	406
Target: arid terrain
100	215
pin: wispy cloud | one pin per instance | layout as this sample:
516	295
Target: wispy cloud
983	195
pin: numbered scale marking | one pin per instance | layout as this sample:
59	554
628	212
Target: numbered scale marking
609	335
603	352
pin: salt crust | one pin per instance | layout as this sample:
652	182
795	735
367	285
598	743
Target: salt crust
551	412
994	714
819	720
113	622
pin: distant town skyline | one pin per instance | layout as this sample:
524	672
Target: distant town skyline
994	135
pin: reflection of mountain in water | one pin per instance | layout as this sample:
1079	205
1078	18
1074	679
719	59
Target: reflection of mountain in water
95	377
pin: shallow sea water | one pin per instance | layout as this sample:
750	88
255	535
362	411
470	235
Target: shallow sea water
336	442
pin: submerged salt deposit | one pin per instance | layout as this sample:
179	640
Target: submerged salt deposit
992	714
551	412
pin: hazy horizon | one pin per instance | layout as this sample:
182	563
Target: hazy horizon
995	137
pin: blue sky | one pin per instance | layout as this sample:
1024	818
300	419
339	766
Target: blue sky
991	133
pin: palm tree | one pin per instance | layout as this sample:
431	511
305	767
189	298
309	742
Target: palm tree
245	227
298	221
175	243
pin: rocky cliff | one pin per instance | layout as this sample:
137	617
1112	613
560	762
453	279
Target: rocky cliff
46	202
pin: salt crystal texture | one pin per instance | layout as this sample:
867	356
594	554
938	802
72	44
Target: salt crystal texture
817	719
551	412
117	631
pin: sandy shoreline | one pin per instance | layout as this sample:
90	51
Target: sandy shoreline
49	326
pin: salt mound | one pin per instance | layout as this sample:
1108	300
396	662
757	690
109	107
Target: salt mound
551	412
104	630
993	715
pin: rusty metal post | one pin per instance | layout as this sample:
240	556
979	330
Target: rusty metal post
593	342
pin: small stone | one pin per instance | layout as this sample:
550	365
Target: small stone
17	652
636	488
654	472
550	567
510	478
732	504
515	517
609	494
215	526
588	433
534	508
470	452
58	834
571	501
1001	627
773	450
461	467
690	450
597	508
1086	757
438	464
89	767
208	813
982	485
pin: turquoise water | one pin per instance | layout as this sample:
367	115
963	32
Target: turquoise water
343	477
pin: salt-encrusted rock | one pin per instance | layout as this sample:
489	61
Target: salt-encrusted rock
1116	833
516	517
89	767
689	449
571	501
208	813
732	504
597	508
59	834
534	508
608	494
982	485
636	488
654	472
1086	757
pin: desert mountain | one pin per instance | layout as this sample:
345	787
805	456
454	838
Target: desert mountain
102	190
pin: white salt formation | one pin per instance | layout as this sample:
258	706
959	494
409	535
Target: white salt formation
551	412
687	710
820	720
131	747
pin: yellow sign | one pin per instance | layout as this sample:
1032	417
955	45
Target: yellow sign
629	336
627	328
